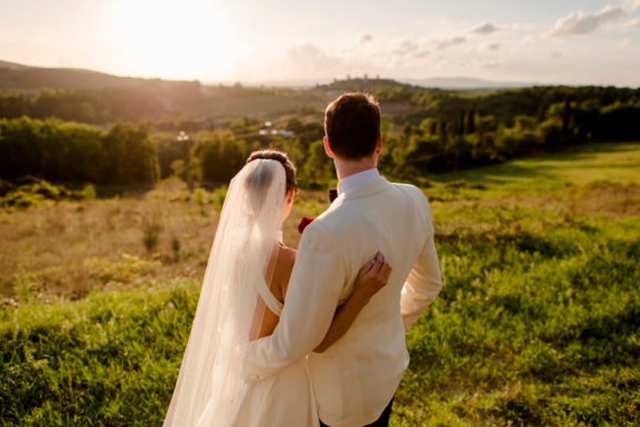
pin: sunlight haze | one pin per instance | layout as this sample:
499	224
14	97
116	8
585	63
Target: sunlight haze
569	42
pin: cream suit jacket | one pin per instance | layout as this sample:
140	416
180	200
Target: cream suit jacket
356	378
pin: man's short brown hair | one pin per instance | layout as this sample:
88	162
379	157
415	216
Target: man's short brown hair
352	125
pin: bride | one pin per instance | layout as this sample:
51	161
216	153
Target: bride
242	296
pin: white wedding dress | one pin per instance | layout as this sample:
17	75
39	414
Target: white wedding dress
210	390
286	399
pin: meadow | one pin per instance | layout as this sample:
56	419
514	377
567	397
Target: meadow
603	161
538	323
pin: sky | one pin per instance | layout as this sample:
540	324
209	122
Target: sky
535	41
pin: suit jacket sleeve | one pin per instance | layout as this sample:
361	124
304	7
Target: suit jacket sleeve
313	293
424	282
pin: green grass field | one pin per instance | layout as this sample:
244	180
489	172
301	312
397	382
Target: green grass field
608	161
538	323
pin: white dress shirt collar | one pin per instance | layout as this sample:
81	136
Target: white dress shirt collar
357	179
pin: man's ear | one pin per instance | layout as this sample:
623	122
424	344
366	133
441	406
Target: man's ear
327	149
379	144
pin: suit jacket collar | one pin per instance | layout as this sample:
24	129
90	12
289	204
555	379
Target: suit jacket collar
378	185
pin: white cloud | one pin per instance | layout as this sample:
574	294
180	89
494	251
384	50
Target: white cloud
624	43
494	46
307	61
631	4
406	47
634	23
366	38
484	29
453	41
581	23
492	64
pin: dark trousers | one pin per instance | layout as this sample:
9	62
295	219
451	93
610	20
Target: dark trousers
383	421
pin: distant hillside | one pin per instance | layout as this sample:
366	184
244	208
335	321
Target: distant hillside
25	77
461	83
18	76
363	84
12	66
443	83
447	83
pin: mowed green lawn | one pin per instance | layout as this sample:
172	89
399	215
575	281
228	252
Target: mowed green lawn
618	162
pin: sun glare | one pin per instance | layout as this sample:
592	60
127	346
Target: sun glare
171	39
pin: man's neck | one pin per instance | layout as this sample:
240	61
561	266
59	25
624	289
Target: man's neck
345	168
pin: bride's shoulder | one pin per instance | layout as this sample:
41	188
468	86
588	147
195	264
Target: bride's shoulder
286	256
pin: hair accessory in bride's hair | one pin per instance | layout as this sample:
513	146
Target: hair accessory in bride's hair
283	159
257	183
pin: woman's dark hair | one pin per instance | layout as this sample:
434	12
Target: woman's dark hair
289	168
352	125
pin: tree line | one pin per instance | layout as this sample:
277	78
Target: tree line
470	138
102	106
72	152
439	131
126	153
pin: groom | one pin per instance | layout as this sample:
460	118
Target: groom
355	379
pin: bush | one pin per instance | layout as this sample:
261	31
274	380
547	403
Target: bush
151	237
200	196
89	192
175	247
21	199
48	191
33	190
218	197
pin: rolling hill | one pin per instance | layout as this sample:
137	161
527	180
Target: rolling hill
25	77
464	83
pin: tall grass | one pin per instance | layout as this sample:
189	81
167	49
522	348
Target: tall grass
109	360
538	324
67	247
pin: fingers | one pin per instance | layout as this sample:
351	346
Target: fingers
367	267
385	273
376	272
370	265
380	262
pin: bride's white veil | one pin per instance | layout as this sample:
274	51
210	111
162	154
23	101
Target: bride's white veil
209	383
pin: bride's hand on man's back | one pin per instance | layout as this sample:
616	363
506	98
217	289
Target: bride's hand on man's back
372	277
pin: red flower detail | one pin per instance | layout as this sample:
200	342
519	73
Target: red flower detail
304	222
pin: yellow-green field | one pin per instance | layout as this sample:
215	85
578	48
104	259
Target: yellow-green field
619	162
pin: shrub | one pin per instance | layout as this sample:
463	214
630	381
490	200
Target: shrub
218	197
48	191
89	192
151	237
21	199
200	197
175	246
